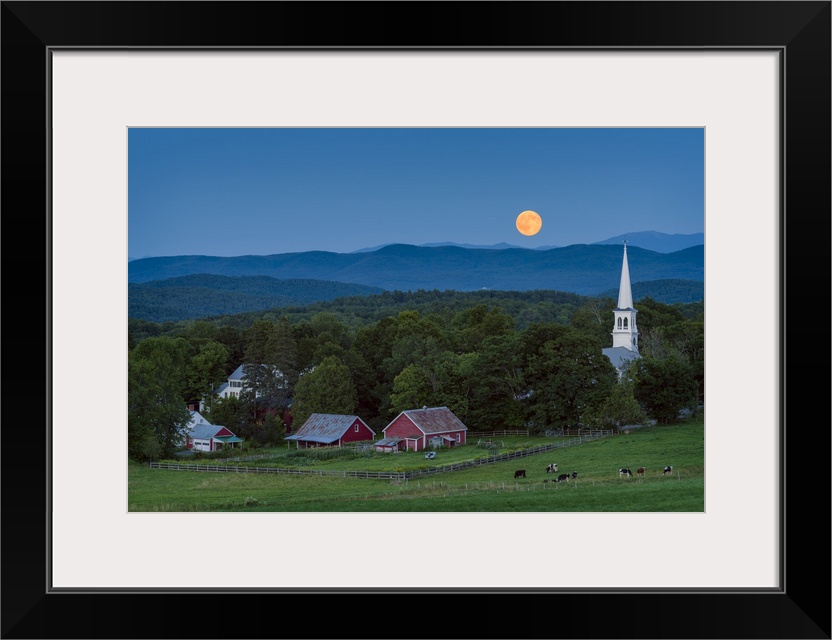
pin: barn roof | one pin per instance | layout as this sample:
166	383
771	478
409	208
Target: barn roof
325	427
435	420
206	431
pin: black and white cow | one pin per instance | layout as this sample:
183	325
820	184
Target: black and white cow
552	468
564	477
520	473
668	469
574	474
624	472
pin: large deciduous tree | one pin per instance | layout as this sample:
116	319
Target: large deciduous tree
207	370
618	408
665	386
566	374
270	360
327	389
157	415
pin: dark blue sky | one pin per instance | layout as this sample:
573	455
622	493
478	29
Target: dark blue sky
241	191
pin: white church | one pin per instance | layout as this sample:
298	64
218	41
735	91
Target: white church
624	331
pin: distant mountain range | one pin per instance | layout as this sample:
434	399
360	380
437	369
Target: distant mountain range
652	240
582	269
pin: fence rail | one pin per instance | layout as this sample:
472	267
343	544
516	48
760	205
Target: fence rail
498	434
384	475
557	433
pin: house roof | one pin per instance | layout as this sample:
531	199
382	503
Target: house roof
228	439
435	420
239	373
206	431
196	418
620	356
326	427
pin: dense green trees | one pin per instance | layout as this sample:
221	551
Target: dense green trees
567	373
664	386
156	412
328	388
492	370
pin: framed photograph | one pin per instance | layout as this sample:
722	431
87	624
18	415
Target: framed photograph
78	76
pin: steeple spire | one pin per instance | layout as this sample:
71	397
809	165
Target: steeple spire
625	293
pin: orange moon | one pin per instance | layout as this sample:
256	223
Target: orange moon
529	223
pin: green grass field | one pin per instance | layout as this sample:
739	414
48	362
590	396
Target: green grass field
484	488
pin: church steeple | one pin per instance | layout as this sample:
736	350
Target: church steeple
624	331
625	293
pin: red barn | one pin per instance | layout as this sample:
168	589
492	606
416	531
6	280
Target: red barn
421	428
329	429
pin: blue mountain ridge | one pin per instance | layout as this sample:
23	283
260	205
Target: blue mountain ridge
582	269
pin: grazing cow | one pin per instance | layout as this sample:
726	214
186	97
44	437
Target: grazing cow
667	470
640	471
520	473
624	472
574	474
552	467
564	477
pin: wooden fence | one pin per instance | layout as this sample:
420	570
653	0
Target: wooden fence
498	434
559	433
384	475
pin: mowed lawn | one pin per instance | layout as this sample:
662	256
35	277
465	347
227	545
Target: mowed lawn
484	488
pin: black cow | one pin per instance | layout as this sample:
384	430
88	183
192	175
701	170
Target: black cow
667	470
521	473
624	472
552	467
564	477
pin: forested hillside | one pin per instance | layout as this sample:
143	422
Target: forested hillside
525	308
667	291
201	295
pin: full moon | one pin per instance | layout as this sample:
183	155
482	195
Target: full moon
529	223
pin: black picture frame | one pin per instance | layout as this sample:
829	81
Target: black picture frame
800	31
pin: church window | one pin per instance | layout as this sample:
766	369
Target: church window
625	323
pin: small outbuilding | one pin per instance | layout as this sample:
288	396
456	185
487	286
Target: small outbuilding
331	430
390	445
420	428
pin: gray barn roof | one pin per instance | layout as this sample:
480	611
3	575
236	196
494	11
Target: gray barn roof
326	427
435	420
205	431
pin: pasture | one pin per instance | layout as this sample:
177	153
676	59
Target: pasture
485	488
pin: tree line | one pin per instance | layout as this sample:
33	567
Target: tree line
494	368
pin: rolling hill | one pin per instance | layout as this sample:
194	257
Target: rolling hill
200	295
582	269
